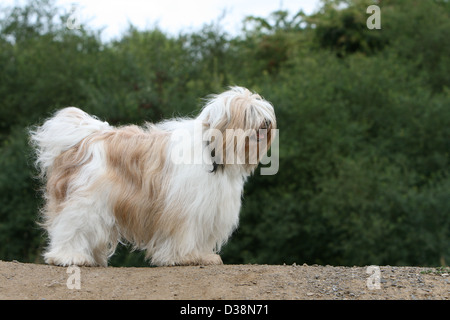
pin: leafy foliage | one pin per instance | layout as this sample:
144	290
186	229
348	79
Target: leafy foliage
364	118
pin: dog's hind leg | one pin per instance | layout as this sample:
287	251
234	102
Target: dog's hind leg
79	235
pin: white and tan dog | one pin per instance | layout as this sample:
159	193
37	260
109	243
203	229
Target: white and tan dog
177	196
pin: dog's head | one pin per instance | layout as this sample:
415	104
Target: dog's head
238	128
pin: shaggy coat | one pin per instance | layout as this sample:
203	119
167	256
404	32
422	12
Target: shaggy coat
173	189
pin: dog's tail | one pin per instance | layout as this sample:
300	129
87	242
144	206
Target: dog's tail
61	132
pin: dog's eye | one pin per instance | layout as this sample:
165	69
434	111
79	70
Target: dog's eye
265	125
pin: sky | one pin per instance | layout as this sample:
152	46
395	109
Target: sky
171	16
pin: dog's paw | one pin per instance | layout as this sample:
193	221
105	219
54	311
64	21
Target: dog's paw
210	259
67	259
203	260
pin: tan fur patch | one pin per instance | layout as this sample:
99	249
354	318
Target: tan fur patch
65	167
136	169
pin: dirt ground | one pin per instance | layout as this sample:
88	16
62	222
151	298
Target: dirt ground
226	282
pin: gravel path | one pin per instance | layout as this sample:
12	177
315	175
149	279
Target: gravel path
225	282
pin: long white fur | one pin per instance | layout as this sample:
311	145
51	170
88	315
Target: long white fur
84	230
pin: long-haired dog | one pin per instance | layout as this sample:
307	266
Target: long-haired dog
173	188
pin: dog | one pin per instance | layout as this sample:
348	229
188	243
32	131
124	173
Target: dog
172	188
